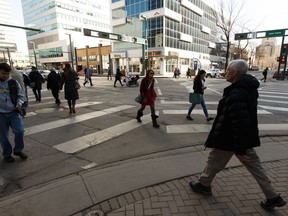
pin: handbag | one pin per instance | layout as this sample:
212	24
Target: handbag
138	98
77	85
32	85
195	98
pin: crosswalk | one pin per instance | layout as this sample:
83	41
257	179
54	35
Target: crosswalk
271	101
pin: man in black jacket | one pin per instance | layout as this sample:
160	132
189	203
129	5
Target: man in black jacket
235	131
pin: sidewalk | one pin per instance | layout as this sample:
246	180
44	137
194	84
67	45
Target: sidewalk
157	186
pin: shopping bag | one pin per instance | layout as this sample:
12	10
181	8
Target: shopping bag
194	98
138	98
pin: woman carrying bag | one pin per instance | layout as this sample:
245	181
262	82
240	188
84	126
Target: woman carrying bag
199	87
148	96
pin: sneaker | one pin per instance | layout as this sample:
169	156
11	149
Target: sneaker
199	188
209	119
22	155
9	159
269	204
189	118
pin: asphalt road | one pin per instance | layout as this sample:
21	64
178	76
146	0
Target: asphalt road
104	131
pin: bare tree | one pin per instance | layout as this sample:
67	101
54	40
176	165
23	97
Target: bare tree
226	16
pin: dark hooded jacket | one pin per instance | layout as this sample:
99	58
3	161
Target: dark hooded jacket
235	127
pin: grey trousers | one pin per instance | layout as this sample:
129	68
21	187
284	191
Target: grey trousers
218	159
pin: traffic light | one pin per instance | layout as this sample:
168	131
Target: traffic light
284	49
283	58
278	58
241	36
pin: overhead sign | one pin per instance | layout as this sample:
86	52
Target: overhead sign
260	34
275	33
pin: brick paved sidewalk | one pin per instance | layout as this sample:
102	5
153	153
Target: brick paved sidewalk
235	192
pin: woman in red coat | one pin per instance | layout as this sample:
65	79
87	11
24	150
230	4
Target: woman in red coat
148	96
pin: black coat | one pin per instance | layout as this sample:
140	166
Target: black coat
69	78
198	85
235	127
53	81
36	78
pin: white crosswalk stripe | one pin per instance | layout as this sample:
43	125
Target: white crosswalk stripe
200	112
201	128
98	137
74	119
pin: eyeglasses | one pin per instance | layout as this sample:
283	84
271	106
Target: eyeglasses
151	73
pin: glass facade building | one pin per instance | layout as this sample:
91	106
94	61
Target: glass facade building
62	23
180	33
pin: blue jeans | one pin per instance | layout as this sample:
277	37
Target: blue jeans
203	104
14	121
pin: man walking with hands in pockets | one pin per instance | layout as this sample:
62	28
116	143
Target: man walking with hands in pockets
235	131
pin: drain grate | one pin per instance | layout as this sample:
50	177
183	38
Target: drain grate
95	213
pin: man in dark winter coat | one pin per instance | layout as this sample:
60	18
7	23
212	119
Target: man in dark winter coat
235	131
53	83
36	80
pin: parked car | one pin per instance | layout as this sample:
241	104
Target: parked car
281	73
44	73
254	68
213	73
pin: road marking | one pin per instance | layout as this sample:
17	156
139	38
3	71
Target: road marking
273	101
269	92
204	128
73	119
98	137
184	102
159	92
85	104
284	109
272	96
200	111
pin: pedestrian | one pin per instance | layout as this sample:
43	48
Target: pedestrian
188	73
265	74
175	73
109	75
36	80
26	84
235	131
11	100
118	76
69	79
148	96
199	87
53	83
88	75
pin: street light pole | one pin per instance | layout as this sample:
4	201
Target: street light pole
71	51
35	57
145	47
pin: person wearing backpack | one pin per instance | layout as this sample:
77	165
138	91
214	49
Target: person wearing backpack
36	80
11	100
53	83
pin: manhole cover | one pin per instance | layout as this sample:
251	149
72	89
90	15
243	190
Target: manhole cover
95	213
48	110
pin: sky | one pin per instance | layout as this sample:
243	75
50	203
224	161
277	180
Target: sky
263	14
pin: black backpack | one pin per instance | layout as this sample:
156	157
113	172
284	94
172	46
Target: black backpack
13	91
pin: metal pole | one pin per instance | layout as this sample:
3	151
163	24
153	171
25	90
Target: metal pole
8	51
71	51
35	57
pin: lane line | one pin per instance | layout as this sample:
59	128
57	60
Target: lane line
73	119
200	111
284	109
204	128
98	137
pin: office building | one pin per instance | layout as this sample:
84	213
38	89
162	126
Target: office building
180	34
62	23
7	34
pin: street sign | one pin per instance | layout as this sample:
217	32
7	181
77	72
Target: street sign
140	40
275	33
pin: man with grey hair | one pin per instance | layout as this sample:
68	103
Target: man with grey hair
235	131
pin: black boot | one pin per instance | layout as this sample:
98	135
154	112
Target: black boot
139	115
154	121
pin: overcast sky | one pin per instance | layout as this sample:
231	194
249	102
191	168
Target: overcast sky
266	14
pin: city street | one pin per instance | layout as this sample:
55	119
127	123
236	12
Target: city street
104	132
